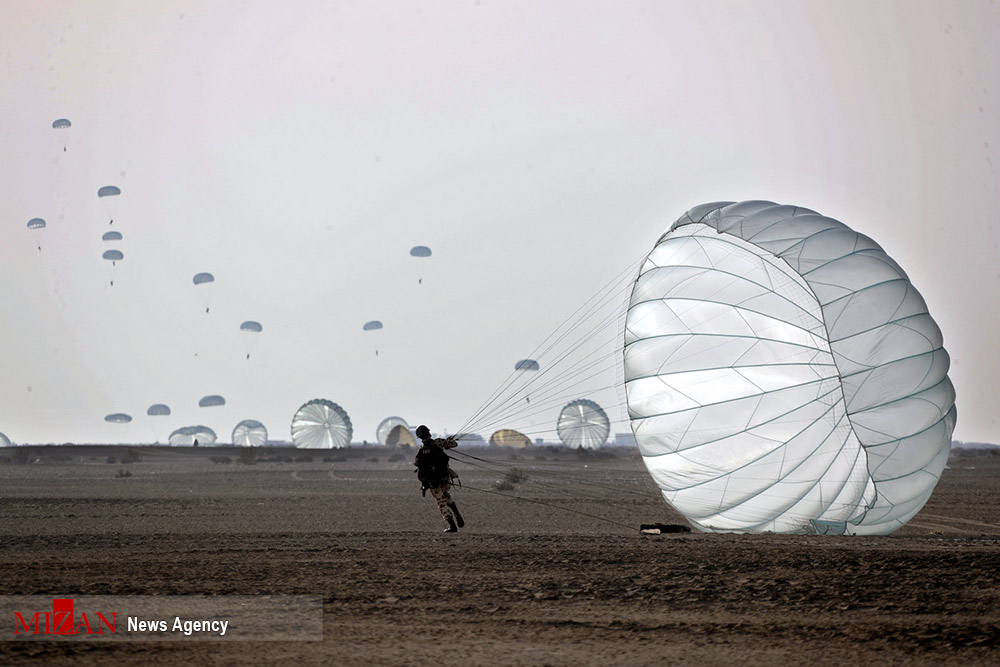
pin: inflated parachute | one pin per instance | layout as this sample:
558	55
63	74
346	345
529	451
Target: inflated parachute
250	433
204	278
113	256
105	193
373	325
420	251
250	330
118	418
583	423
212	401
158	410
37	223
506	437
400	436
526	365
5	441
321	424
111	236
62	124
387	425
782	374
188	436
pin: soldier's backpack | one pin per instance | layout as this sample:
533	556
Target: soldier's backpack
432	466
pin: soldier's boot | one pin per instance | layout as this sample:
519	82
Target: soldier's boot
452	528
458	515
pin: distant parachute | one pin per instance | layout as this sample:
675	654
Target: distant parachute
118	418
211	401
62	124
36	223
111	236
387	425
158	410
109	204
582	423
250	327
4	441
526	365
113	255
202	278
400	436
783	375
372	325
187	436
321	424
420	251
250	433
507	437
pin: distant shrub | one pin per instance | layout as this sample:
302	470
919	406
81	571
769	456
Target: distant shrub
334	459
131	456
111	459
220	459
248	456
373	459
395	457
21	455
513	476
123	473
502	485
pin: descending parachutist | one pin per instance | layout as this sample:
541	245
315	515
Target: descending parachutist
420	281
376	353
206	310
248	356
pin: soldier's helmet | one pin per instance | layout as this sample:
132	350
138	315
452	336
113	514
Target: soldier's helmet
423	432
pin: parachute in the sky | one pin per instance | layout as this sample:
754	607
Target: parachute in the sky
204	278
111	236
107	194
158	410
526	365
583	423
188	436
118	418
5	441
113	255
62	124
212	401
250	433
321	424
387	425
507	437
251	329
783	375
420	251
37	223
373	325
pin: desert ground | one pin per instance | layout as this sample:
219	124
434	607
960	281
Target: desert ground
552	572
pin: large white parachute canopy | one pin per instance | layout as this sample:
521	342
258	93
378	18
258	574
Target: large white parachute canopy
583	423
250	433
5	441
321	424
188	436
386	426
212	401
783	375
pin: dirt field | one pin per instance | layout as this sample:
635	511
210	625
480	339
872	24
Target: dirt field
523	583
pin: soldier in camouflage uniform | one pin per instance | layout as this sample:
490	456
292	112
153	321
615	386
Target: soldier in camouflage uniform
435	475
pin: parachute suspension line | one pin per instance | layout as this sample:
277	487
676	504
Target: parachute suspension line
558	507
496	466
504	402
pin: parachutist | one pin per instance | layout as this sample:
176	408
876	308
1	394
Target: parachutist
436	475
248	356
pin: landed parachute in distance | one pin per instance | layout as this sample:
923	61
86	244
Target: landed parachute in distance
111	236
188	436
386	426
507	437
118	418
583	423
158	410
783	375
250	433
321	424
211	401
400	436
5	441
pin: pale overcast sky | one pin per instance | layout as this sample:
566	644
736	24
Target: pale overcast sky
298	150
